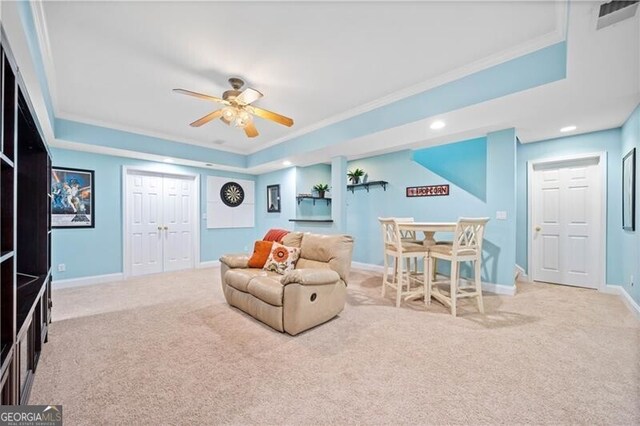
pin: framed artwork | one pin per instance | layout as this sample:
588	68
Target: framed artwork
72	198
273	199
629	191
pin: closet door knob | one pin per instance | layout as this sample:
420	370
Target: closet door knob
159	228
538	228
166	228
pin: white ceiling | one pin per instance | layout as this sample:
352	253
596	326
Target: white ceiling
115	63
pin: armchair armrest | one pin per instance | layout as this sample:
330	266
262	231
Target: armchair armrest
310	277
239	260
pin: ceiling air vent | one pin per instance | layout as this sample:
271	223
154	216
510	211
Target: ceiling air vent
615	11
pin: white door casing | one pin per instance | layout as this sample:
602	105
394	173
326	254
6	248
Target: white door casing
566	221
161	221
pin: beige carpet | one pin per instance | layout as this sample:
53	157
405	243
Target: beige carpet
167	349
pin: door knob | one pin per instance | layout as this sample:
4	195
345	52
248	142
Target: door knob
159	228
538	228
166	228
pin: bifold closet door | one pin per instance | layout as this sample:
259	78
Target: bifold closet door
178	223
145	231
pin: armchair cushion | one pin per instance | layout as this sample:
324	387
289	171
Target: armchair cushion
292	239
267	289
310	277
240	278
240	260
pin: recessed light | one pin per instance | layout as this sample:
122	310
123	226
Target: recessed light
168	160
568	129
437	125
286	163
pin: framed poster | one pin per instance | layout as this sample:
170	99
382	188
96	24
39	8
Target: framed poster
629	191
72	198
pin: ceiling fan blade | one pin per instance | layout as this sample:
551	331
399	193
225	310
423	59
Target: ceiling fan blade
250	130
207	118
248	96
201	96
269	115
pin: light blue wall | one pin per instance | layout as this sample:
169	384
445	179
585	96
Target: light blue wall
630	246
537	68
103	136
363	208
603	141
286	178
98	251
306	179
463	163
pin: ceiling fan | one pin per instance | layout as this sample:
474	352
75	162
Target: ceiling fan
237	109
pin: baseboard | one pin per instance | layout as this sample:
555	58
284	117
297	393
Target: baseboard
209	264
508	290
626	298
521	274
368	267
82	281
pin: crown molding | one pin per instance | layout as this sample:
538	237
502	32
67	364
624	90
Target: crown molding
42	34
117	152
138	131
557	35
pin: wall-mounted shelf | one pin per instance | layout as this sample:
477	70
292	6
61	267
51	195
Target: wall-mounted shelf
308	197
366	185
312	220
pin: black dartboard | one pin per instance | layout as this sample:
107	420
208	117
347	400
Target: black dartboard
232	194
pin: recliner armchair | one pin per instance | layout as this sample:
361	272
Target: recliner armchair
311	294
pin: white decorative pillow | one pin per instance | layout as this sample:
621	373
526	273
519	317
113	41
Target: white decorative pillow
282	259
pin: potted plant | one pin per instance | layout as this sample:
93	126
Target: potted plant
355	175
321	188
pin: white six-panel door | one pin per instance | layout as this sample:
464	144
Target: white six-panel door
160	225
178	201
566	216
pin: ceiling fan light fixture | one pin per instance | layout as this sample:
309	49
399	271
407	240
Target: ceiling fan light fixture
242	119
229	113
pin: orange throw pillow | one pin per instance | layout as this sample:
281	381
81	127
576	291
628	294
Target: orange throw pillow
275	234
261	252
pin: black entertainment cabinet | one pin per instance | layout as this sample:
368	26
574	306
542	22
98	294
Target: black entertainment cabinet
25	236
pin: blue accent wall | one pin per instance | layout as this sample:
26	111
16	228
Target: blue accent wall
399	169
286	178
98	251
630	240
603	141
463	163
543	66
306	179
74	131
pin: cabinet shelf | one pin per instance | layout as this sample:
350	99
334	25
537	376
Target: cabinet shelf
309	197
6	159
6	255
366	185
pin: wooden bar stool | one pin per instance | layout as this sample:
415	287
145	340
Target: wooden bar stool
466	247
399	246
